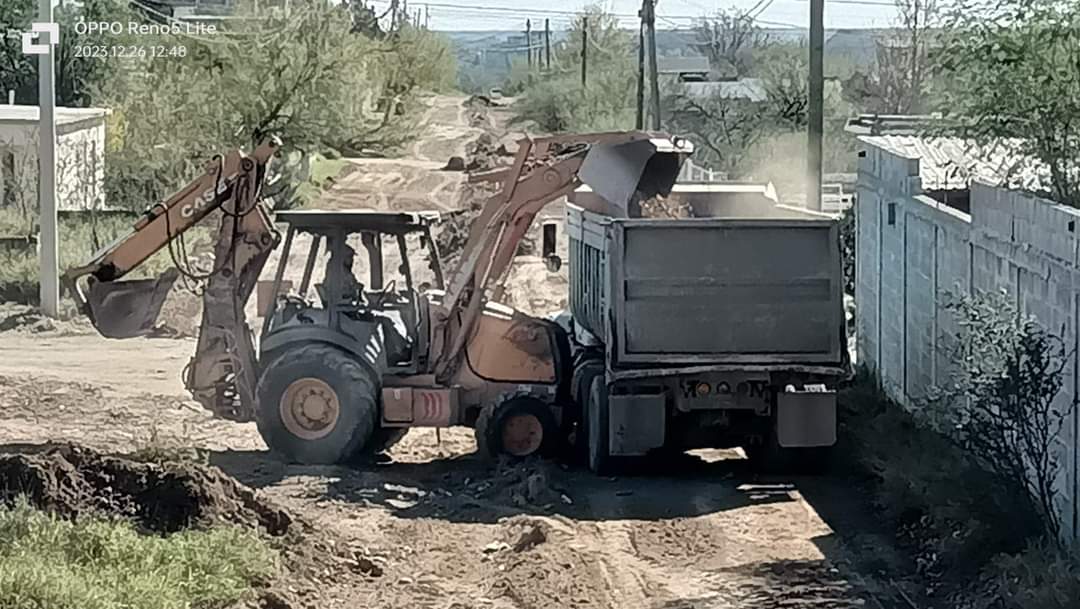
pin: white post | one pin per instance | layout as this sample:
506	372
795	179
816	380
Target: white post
47	242
11	97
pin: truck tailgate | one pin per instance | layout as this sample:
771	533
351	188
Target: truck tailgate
726	291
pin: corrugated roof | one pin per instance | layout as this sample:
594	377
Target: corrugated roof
948	163
29	114
752	89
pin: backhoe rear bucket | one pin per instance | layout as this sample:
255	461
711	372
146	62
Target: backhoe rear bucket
647	168
126	309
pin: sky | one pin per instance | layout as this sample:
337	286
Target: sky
511	14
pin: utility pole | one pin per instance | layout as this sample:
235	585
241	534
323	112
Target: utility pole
49	281
427	17
584	52
815	125
528	41
650	22
547	43
640	123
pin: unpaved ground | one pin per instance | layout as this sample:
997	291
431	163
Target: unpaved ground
445	527
438	527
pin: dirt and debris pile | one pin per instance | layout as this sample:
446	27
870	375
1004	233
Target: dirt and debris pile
71	480
27	319
526	484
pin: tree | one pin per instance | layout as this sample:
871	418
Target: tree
307	78
723	128
556	101
897	83
76	75
729	39
1014	72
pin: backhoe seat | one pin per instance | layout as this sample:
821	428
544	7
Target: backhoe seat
395	336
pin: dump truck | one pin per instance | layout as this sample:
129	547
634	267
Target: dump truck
724	328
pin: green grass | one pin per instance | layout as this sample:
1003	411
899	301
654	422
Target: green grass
90	563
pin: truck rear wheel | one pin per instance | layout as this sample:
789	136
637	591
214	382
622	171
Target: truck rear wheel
316	405
580	386
596	426
518	427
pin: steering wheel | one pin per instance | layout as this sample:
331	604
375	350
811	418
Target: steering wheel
380	299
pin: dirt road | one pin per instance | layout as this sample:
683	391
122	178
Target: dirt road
700	533
446	529
417	181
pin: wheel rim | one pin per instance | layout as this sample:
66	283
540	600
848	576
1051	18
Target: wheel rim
522	435
310	408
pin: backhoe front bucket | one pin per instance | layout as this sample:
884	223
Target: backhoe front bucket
126	309
643	168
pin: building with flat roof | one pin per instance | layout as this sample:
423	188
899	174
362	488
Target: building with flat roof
80	157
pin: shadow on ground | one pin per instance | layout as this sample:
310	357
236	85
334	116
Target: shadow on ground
466	488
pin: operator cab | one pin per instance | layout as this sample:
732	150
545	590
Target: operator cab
357	285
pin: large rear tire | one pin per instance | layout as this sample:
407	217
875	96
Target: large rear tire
580	386
597	427
317	405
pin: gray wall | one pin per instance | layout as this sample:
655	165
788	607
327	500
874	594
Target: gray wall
905	270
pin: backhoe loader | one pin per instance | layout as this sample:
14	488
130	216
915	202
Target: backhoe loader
344	374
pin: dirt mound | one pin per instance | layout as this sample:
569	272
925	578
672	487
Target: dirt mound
28	319
72	480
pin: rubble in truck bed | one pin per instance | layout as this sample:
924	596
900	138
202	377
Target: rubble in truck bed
662	207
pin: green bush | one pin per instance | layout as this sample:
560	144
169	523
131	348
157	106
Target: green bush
91	563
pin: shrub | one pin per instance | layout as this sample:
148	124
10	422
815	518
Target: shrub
1001	406
1041	577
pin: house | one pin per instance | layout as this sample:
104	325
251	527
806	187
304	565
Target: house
693	68
750	89
80	157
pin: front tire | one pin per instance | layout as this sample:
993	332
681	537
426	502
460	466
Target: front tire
317	405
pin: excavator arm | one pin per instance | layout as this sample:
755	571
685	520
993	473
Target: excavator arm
221	375
621	167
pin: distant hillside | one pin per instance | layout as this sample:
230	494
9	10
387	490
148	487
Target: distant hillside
485	57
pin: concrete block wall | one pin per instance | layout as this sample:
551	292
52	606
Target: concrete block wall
914	254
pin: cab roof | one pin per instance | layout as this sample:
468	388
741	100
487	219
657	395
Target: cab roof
357	220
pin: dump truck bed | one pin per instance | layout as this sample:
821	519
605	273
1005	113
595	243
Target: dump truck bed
760	284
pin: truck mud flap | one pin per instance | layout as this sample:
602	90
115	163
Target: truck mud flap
635	424
126	309
806	419
617	171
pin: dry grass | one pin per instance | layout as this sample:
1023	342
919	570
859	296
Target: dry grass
80	238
